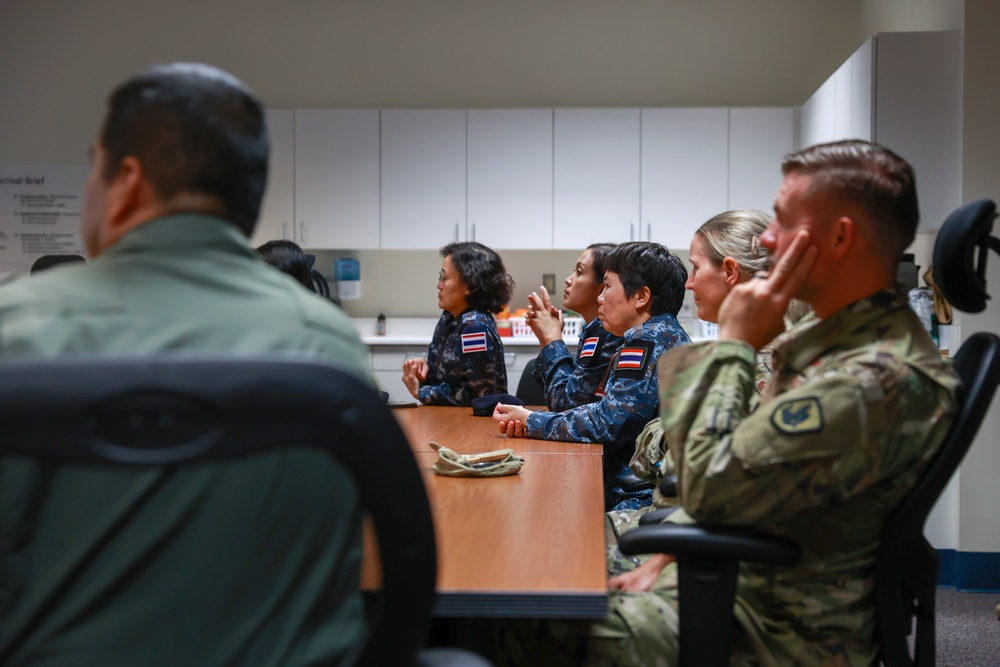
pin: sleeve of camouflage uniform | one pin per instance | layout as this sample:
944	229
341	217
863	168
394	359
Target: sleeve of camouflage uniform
474	367
571	382
810	446
629	401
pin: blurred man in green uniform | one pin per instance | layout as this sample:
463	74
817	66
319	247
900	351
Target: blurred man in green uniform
176	181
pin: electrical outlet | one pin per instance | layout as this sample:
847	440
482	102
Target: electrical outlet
549	282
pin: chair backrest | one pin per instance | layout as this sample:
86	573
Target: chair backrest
179	410
907	565
529	389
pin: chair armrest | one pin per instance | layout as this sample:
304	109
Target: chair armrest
704	540
668	486
708	559
657	516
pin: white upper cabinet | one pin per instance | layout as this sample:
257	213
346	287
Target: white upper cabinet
277	212
337	178
904	91
423	178
685	172
510	178
758	140
842	107
596	177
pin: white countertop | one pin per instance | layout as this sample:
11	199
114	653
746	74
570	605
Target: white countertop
419	330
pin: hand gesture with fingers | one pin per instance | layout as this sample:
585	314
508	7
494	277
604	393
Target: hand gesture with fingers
544	319
754	311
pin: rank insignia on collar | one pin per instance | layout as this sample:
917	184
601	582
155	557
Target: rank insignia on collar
589	347
798	416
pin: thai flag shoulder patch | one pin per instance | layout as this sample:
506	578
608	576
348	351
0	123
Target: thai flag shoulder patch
589	347
474	342
631	358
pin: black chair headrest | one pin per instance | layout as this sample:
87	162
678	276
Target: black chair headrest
960	255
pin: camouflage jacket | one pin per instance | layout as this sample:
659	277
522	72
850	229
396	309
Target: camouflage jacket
855	408
628	401
568	382
465	360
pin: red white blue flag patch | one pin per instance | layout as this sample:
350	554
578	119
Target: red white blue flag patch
474	342
589	347
631	358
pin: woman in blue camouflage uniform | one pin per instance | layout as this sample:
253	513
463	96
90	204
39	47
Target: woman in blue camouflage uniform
643	291
465	358
570	382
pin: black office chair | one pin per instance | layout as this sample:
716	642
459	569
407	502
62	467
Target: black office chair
708	557
185	410
529	389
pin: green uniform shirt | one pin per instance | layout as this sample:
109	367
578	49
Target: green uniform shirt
856	406
100	566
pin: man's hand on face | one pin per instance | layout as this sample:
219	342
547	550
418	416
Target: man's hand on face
753	312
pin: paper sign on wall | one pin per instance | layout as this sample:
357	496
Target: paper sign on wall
40	211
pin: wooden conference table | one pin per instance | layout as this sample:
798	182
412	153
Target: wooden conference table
525	545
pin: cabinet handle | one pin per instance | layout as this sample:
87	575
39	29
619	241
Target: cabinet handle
631	231
649	232
473	231
284	231
456	232
302	233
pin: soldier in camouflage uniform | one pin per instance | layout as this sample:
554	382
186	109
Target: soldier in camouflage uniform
859	402
643	291
570	382
465	358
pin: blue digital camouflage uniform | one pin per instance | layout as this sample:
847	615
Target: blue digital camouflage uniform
629	400
465	360
568	382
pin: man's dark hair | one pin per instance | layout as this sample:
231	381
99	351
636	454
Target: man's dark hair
639	263
287	257
194	129
869	175
598	257
483	274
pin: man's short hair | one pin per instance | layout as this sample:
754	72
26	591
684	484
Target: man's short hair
869	175
640	263
194	129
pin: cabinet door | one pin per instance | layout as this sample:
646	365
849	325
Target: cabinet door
277	212
758	140
510	178
596	181
337	178
423	178
685	163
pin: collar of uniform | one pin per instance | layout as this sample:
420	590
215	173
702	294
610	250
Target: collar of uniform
183	230
810	339
636	331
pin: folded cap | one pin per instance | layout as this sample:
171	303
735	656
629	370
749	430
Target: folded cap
482	406
487	464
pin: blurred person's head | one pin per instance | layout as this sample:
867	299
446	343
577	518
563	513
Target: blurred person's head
178	138
287	257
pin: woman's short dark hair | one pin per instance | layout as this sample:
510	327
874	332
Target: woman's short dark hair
287	256
641	263
194	128
483	274
598	258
